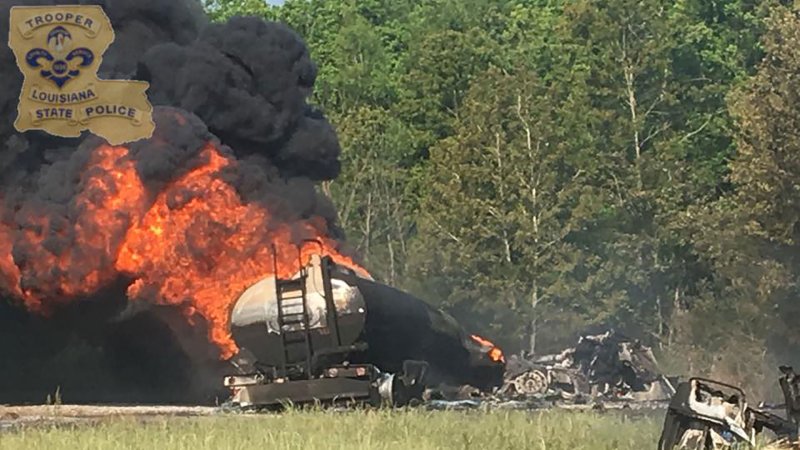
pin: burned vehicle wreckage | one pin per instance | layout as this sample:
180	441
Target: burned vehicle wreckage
606	366
328	334
708	415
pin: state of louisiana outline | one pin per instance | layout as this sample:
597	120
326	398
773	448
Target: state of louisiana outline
59	49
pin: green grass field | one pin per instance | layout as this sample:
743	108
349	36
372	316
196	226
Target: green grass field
415	429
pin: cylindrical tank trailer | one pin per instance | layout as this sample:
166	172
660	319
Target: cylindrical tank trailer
327	319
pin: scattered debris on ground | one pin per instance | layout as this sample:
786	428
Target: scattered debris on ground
608	367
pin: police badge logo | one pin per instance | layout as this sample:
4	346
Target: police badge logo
59	50
57	66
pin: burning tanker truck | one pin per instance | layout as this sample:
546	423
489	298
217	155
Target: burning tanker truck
329	333
200	224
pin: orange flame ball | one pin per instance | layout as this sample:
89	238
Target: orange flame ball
111	196
9	272
197	246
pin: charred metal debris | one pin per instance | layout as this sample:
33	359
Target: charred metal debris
602	367
709	415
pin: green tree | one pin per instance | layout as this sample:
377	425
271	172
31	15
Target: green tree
371	191
748	311
224	9
658	75
356	57
504	194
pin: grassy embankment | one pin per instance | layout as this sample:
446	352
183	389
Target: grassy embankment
553	430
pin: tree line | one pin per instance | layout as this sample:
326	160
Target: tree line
544	167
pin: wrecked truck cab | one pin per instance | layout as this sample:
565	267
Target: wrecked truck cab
706	415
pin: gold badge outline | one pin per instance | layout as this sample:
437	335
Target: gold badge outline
120	109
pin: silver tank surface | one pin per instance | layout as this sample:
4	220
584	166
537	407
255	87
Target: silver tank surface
395	326
254	316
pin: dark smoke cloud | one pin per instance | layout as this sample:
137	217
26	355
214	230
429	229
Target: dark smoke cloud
249	80
242	85
174	150
142	24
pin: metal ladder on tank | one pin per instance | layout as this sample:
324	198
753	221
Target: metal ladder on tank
293	313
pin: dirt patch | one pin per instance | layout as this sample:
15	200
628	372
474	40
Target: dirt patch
15	417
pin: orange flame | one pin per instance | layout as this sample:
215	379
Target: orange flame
198	245
9	272
495	354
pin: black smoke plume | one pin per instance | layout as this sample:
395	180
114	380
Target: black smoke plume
243	84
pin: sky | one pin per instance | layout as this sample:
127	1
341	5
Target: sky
275	2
